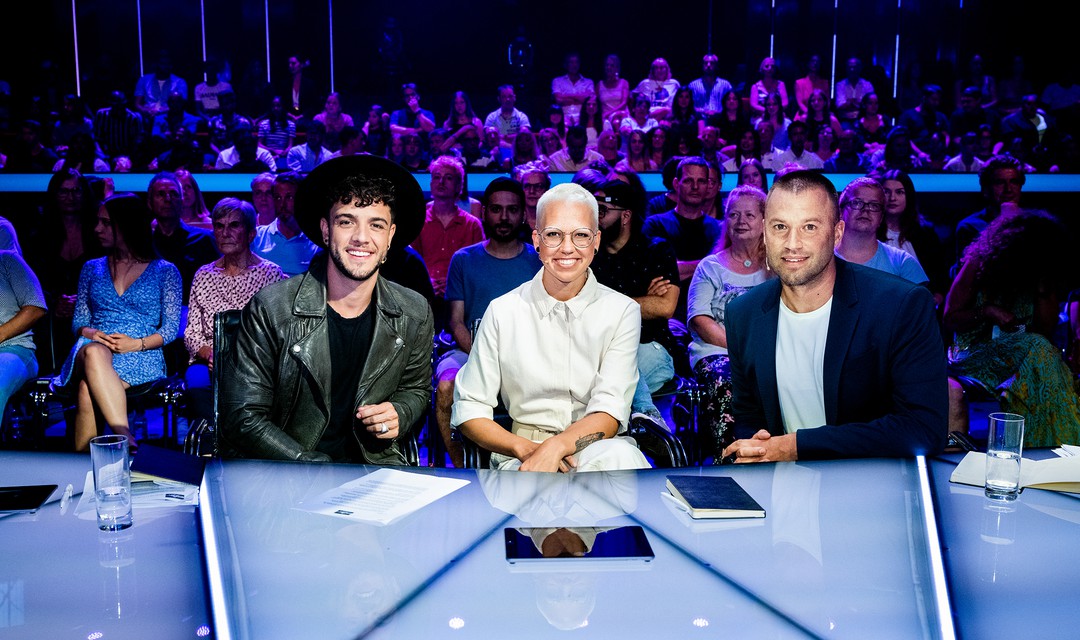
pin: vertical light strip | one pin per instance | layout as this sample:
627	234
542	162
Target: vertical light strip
330	8
266	14
772	28
75	37
933	548
835	19
202	18
896	56
138	27
708	40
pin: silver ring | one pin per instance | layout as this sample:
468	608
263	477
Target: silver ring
382	427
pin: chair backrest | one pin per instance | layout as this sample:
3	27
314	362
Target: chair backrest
226	324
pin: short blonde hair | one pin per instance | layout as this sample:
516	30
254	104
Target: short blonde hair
569	193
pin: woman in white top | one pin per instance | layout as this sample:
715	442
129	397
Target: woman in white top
660	88
769	83
719	278
613	91
560	351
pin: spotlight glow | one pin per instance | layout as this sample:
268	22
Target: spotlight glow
700	623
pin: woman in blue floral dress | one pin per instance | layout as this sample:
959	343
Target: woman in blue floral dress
127	309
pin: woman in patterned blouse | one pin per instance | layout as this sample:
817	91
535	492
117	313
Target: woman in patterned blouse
225	284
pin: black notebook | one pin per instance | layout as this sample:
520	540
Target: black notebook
713	497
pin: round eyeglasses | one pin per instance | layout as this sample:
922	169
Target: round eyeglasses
553	237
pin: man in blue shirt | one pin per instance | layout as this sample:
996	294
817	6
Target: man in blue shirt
282	241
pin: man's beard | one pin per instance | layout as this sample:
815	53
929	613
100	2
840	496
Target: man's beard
354	273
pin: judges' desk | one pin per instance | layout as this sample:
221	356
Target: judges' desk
1014	568
60	577
848	550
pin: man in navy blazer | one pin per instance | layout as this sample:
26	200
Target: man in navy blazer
831	359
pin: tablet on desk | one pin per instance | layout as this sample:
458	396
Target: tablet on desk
28	498
577	547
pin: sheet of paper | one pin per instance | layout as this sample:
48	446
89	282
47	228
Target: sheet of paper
144	494
1067	451
382	496
1054	474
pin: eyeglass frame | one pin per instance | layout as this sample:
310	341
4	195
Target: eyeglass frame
542	234
862	204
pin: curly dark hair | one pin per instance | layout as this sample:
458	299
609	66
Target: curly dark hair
1020	252
362	191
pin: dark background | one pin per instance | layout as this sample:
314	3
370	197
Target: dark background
446	46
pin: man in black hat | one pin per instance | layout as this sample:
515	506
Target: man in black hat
335	364
646	270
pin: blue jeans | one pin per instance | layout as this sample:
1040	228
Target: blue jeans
17	366
655	367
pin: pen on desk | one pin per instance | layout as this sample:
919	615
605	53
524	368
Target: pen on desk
65	500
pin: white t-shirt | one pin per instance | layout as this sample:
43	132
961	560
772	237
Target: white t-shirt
800	366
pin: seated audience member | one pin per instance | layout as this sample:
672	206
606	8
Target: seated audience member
70	214
904	228
607	145
768	83
775	116
593	122
194	212
461	114
413	157
709	89
824	143
334	365
22	304
613	91
665	201
478	274
524	149
447	226
535	181
862	208
806	85
752	173
638	119
847	158
412	119
1029	121
732	120
507	118
550	142
1001	181
353	141
9	238
798	152
118	130
307	156
175	241
262	196
898	153
645	269
660	88
277	132
830	359
223	126
28	153
850	91
283	240
245	155
128	309
164	124
207	93
1003	308
564	417
576	155
819	113
183	152
747	146
81	155
969	114
737	265
377	131
926	119
225	284
637	157
966	161
569	91
691	233
334	121
872	126
659	145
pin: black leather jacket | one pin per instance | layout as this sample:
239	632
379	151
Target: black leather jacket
274	387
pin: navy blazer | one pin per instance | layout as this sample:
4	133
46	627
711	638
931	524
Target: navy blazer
884	380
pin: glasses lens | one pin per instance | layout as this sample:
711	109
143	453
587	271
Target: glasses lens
553	238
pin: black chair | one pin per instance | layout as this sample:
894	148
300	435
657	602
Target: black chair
226	323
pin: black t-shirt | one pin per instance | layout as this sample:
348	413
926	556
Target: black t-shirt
350	341
632	269
691	239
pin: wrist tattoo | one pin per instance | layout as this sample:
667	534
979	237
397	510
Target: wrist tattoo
586	440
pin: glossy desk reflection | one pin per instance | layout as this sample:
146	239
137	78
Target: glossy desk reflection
60	577
1014	568
844	552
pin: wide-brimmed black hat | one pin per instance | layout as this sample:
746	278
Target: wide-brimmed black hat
313	200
